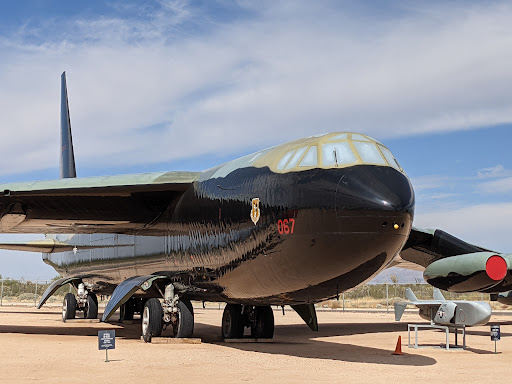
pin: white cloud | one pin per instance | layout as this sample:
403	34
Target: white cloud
486	225
288	71
424	183
496	186
492	172
442	196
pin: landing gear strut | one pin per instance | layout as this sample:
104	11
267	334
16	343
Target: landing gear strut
175	312
259	319
84	301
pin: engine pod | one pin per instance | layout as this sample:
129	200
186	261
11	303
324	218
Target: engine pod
470	272
505	298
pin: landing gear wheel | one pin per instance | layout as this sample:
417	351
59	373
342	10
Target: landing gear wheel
152	319
184	325
68	307
232	322
263	327
91	309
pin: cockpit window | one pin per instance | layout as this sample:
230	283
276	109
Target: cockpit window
310	158
337	154
255	157
339	149
390	158
369	153
342	136
296	157
284	160
357	136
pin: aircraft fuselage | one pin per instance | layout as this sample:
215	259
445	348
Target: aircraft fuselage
313	234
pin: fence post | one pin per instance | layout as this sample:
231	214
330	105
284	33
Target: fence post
2	294
343	302
35	294
387	298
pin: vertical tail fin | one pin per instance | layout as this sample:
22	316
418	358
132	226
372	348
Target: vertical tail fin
410	295
438	295
399	310
67	157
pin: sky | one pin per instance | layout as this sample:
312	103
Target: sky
186	85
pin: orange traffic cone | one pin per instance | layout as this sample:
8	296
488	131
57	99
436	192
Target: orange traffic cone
398	349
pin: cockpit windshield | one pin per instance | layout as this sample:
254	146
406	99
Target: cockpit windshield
331	150
336	150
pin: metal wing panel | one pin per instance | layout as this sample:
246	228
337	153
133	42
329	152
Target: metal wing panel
112	204
426	245
176	181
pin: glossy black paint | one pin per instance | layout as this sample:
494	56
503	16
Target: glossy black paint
343	235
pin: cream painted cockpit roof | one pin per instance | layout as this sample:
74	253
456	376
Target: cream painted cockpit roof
330	150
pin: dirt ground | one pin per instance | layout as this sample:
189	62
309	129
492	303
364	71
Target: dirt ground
351	347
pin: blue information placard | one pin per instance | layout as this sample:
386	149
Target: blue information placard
107	339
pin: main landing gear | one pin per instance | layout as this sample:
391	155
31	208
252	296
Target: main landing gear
84	301
178	313
175	312
259	319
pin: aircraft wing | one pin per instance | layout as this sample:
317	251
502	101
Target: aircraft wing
451	264
426	245
130	204
425	306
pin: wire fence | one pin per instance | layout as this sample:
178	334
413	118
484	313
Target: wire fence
384	296
26	291
376	296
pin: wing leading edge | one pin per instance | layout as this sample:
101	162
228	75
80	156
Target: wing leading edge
426	245
110	204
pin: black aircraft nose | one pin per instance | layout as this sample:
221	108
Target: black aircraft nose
374	188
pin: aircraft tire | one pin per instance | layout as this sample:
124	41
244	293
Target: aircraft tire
185	325
91	311
263	328
152	319
232	322
68	307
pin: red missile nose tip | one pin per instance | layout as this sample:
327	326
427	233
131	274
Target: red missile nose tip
496	267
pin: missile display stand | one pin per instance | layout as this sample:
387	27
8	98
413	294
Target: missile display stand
446	328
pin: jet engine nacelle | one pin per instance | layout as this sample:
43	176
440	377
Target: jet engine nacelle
470	272
505	298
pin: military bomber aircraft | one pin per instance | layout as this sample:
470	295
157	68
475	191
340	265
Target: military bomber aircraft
291	225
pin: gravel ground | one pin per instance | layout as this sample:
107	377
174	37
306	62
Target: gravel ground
350	347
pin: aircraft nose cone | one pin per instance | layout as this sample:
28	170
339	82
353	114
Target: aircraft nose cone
375	188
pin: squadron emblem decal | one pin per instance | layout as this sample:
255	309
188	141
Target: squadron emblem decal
255	211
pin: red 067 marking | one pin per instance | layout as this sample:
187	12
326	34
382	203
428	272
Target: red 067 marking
285	226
